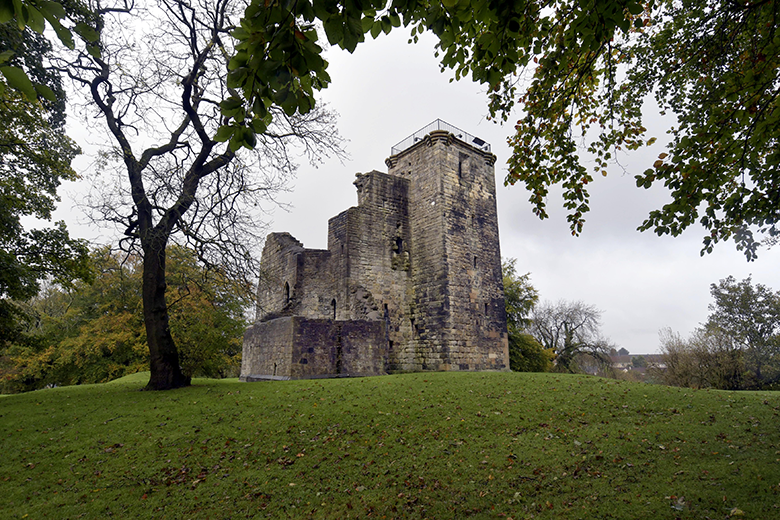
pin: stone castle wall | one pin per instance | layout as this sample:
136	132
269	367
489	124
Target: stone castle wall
411	279
302	348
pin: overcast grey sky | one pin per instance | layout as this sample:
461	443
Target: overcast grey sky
388	89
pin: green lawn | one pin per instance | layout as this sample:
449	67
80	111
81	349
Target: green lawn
434	445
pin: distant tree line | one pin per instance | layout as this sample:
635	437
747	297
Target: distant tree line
738	348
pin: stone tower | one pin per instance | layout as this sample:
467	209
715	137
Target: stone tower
411	279
457	302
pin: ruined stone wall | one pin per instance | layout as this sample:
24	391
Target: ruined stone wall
379	253
411	279
295	281
279	268
268	348
301	348
315	286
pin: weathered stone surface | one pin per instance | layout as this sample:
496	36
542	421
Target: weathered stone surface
303	348
417	258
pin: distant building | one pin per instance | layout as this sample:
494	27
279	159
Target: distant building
411	279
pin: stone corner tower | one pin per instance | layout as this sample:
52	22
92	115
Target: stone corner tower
456	308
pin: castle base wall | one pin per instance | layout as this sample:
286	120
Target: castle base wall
302	348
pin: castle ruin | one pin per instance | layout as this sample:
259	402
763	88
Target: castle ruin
411	279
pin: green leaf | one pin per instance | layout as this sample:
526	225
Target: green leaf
94	51
223	134
250	141
21	17
65	36
6	11
367	23
376	29
334	29
45	92
236	142
5	56
635	9
35	20
86	32
239	33
17	79
259	126
52	8
231	107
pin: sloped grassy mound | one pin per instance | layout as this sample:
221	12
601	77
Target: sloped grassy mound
438	445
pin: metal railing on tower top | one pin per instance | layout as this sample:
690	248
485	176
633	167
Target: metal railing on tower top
439	125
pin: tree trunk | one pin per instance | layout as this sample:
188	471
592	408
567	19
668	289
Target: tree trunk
163	356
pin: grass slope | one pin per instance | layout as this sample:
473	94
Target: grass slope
435	445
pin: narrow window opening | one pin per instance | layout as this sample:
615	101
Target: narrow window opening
462	161
486	309
286	293
475	262
399	245
333	307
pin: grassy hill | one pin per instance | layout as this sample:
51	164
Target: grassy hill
436	445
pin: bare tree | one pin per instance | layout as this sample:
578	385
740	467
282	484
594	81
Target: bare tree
158	80
573	331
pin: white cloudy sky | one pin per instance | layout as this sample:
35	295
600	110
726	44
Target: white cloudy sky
387	90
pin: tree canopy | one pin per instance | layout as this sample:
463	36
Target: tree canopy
712	65
94	332
572	331
64	18
526	354
737	348
35	157
749	314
